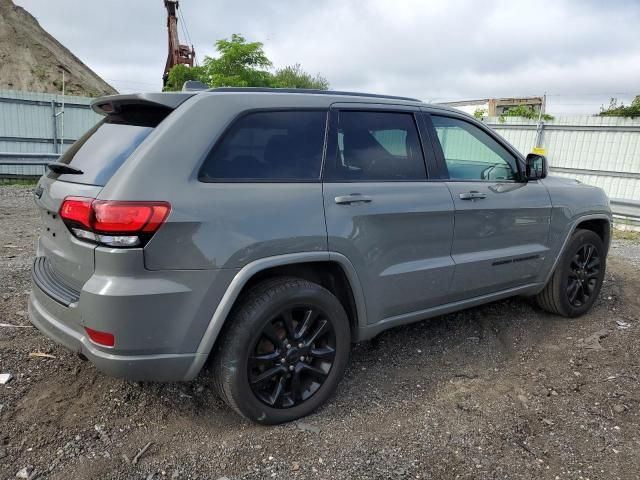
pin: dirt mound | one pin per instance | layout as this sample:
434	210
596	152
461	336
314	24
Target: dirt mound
30	58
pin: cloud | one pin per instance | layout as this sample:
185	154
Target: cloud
580	52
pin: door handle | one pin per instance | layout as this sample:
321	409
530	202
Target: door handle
353	198
472	195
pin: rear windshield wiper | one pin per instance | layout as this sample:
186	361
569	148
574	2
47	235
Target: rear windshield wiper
61	168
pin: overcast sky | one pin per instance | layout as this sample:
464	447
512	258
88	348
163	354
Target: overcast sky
579	52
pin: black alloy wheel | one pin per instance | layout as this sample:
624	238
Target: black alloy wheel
292	357
284	350
577	279
584	274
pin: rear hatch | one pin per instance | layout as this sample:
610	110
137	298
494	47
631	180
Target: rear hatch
64	259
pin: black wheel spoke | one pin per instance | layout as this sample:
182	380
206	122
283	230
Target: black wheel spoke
267	375
594	263
588	252
321	330
296	386
278	390
264	359
315	372
572	291
323	353
287	319
308	319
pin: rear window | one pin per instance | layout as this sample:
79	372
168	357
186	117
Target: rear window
269	146
103	149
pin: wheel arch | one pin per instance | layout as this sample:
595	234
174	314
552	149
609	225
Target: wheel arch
331	270
598	223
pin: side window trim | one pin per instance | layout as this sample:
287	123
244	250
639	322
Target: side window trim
200	177
436	164
331	142
440	153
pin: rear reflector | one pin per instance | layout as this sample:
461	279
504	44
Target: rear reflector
113	223
101	338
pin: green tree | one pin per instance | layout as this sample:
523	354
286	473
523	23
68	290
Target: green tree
240	64
243	64
615	110
524	111
181	73
479	113
294	77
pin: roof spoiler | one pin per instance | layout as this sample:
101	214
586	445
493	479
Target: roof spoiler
115	103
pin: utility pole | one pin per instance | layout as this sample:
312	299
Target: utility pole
538	147
61	112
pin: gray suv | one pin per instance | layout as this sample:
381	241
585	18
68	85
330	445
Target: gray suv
268	230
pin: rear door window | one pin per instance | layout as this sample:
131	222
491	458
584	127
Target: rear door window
377	147
101	151
269	146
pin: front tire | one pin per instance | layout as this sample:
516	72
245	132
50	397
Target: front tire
284	352
577	279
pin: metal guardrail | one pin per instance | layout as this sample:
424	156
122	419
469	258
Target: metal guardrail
626	208
562	126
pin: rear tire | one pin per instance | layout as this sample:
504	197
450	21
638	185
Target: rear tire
284	352
577	279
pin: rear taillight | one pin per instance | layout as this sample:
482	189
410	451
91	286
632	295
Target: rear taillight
113	223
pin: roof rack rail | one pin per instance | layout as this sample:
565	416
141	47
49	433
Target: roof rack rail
310	91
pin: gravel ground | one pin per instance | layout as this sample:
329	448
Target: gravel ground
500	391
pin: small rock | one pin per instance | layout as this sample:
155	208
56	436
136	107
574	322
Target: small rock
5	378
554	393
295	466
622	325
619	408
23	473
547	421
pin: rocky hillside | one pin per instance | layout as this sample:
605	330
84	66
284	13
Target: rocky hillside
30	58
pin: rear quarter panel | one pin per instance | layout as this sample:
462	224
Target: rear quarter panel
218	225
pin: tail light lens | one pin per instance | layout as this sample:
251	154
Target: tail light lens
113	223
105	339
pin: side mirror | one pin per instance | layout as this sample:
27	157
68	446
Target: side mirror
536	166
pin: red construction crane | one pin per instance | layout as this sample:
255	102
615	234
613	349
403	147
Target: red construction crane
177	53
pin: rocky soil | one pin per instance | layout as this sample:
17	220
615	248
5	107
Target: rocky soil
501	391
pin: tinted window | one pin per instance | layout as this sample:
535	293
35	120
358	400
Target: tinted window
378	146
275	146
470	153
101	151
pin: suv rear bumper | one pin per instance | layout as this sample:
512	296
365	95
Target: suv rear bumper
158	318
157	367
